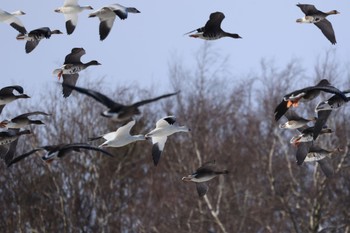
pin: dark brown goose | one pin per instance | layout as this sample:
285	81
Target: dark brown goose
7	96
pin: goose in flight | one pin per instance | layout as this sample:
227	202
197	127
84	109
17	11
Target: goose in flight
121	137
107	16
10	18
7	96
35	36
58	151
8	143
70	69
22	121
203	174
317	17
212	29
70	10
295	121
164	128
305	94
116	111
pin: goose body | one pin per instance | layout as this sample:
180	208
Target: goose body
307	135
11	19
295	121
70	69
22	121
7	96
35	36
58	151
317	17
164	128
305	94
203	174
116	111
121	137
212	29
6	137
70	10
107	15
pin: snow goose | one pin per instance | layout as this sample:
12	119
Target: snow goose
70	10
72	66
295	121
116	111
10	18
107	16
164	128
212	29
22	121
203	174
33	37
121	137
305	94
7	96
58	151
312	15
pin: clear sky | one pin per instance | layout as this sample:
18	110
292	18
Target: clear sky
139	49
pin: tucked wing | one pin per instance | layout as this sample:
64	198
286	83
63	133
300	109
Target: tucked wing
137	104
69	79
94	94
74	56
327	30
202	189
157	149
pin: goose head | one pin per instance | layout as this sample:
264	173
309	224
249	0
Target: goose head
18	13
93	62
333	12
56	32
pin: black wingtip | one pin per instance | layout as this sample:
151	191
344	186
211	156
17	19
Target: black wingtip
156	153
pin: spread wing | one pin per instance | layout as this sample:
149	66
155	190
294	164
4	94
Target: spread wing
69	79
25	115
8	90
322	117
327	30
281	109
137	104
23	156
31	45
214	22
73	146
307	9
157	149
202	189
302	151
74	56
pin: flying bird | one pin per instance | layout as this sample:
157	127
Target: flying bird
307	135
116	111
70	10
164	128
305	94
121	137
10	18
7	96
107	16
317	17
324	110
203	174
8	143
70	69
35	36
295	121
22	121
58	151
212	29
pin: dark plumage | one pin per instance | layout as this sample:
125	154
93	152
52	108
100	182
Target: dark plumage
317	17
33	37
58	151
212	29
116	111
305	94
22	121
8	143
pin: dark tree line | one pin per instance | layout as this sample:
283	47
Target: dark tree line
231	121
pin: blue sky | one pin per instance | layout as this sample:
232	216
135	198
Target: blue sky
139	49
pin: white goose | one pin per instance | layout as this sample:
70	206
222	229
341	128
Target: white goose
121	137
70	10
107	16
164	128
10	18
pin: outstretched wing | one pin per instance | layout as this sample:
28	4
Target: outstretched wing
73	146
137	104
214	22
71	80
327	30
23	156
25	115
74	56
322	117
94	94
281	109
8	90
307	9
202	189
